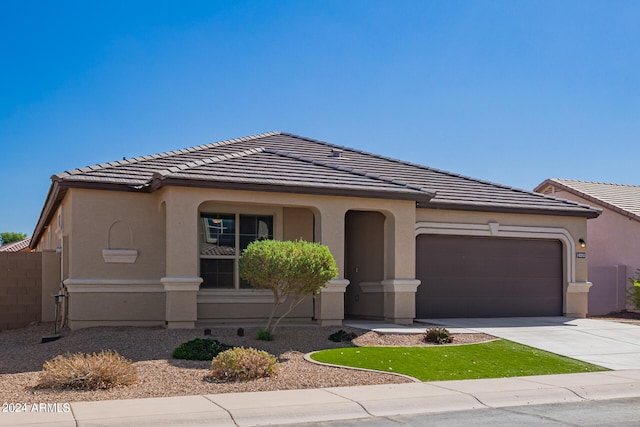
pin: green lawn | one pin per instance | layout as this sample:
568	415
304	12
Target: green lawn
494	359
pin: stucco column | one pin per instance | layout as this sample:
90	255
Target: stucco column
181	309
329	304
400	300
400	284
182	279
577	299
578	286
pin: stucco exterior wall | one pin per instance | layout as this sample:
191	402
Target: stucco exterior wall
252	311
614	255
297	224
133	258
128	257
329	212
115	220
116	308
59	225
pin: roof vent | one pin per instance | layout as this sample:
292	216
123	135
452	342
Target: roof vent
337	153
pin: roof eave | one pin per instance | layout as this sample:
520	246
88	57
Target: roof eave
54	196
275	188
588	197
586	213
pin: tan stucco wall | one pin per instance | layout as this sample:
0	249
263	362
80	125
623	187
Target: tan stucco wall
50	283
115	220
111	308
252	312
58	227
297	224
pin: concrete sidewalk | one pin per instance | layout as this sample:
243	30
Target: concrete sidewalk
341	403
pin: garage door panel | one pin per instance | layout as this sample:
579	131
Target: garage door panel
477	307
487	277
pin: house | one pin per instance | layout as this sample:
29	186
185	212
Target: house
155	240
18	246
614	237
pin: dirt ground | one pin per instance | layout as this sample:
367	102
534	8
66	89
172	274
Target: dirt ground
631	317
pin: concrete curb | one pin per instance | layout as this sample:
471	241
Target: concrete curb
308	358
339	403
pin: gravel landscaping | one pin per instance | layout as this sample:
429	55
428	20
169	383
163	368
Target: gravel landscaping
160	375
630	317
22	355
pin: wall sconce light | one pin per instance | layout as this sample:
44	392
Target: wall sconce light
583	244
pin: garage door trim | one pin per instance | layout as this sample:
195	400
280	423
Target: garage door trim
494	229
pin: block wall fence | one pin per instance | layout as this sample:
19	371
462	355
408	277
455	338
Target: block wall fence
27	280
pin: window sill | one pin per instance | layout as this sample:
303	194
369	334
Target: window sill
120	256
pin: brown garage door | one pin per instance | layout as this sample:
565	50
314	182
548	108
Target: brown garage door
488	277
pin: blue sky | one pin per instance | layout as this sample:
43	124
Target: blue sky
507	91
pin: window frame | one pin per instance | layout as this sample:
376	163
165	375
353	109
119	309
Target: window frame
203	237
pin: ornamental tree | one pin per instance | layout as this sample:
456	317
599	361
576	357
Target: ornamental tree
288	269
10	237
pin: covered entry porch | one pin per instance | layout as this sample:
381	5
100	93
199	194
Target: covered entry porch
198	289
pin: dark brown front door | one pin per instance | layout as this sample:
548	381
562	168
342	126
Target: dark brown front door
488	277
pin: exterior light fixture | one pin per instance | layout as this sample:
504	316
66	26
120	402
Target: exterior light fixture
583	244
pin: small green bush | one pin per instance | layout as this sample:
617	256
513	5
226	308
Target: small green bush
438	336
290	270
633	293
81	371
199	349
342	335
242	364
265	335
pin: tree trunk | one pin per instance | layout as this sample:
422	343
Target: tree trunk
294	304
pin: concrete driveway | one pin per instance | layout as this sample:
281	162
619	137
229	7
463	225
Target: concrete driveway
609	344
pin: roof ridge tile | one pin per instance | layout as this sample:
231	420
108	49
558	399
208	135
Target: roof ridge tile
423	167
613	184
195	148
205	161
347	169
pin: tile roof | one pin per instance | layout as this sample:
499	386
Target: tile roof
624	199
18	246
278	161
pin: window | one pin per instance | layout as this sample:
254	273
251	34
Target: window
223	238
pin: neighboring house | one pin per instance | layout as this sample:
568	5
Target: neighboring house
156	239
614	237
19	246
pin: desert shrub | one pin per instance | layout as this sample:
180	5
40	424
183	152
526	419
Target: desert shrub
633	292
265	335
81	371
342	335
242	364
438	336
199	349
290	270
